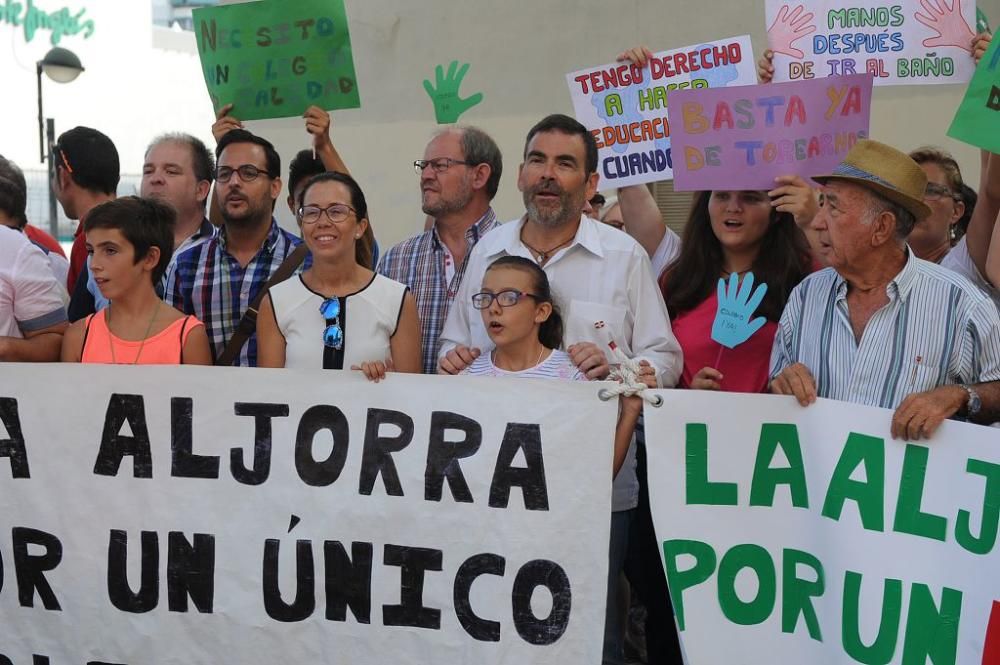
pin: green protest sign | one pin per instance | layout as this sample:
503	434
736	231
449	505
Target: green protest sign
978	116
274	59
982	22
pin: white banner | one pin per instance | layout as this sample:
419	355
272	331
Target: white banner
905	42
796	535
156	515
625	106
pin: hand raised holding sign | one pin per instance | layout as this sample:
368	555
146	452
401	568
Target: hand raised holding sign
318	126
765	67
448	106
225	122
980	44
733	324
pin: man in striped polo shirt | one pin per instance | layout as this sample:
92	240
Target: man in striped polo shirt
879	326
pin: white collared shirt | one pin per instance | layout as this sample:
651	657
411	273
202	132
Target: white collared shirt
602	276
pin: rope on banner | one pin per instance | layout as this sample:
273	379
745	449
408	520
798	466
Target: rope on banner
627	374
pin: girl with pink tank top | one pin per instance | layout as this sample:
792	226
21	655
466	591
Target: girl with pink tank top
130	242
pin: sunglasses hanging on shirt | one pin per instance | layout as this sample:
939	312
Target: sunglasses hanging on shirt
333	335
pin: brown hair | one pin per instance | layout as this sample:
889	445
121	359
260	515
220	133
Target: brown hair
782	262
145	223
943	158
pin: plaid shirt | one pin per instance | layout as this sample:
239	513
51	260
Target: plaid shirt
419	263
204	233
209	282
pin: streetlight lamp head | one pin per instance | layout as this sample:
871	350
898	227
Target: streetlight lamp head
61	65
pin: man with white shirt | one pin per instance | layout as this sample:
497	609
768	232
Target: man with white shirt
599	276
32	315
602	281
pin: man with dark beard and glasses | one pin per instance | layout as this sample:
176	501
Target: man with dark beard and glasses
218	280
601	279
459	176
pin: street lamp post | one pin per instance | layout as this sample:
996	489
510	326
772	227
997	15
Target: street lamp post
62	66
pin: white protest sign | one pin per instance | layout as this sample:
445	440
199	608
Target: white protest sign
795	535
625	106
153	515
906	42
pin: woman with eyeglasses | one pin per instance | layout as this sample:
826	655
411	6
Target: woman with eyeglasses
937	237
338	314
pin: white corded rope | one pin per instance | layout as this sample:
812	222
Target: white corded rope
627	376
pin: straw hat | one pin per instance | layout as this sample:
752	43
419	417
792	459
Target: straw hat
886	171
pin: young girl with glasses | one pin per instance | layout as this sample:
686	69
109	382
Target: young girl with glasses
338	314
526	328
130	242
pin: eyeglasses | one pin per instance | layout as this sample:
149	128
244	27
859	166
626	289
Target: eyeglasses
440	165
336	213
935	192
506	298
333	335
248	173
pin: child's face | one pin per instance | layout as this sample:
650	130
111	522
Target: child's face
113	263
514	323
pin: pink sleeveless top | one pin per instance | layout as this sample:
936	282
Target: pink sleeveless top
163	348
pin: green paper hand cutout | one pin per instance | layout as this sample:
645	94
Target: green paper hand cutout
447	104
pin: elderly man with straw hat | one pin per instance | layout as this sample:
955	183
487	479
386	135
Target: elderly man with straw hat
879	326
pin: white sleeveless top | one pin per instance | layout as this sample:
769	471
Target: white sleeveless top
369	319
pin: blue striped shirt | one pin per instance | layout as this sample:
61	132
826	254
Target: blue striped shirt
419	263
210	283
936	329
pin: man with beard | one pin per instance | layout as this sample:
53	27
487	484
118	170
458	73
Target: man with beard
602	280
459	176
217	281
178	170
600	276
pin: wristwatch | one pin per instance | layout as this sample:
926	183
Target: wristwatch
975	404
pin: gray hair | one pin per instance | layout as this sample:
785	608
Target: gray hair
905	220
202	162
478	147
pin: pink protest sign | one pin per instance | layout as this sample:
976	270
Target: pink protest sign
744	137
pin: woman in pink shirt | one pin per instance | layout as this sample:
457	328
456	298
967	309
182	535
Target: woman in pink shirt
731	232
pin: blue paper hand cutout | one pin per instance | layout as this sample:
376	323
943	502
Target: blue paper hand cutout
737	303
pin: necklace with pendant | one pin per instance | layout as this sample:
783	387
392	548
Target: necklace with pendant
542	255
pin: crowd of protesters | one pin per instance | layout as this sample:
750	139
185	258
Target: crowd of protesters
883	282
